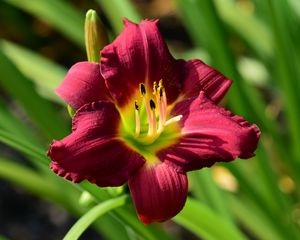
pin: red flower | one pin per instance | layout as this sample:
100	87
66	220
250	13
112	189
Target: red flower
146	118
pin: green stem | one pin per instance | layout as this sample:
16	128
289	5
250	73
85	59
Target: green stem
87	219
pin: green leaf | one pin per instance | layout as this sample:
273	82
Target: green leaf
87	219
45	74
116	10
10	123
59	14
287	67
31	181
205	188
204	223
41	112
250	28
254	219
23	146
56	190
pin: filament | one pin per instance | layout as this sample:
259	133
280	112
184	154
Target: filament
156	110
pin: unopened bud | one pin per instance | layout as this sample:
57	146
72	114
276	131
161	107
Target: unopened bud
95	36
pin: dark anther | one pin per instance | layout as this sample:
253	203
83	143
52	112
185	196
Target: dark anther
136	106
152	104
142	89
160	92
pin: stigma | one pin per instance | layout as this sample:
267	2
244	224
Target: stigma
156	107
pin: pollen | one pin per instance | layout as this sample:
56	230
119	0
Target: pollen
155	104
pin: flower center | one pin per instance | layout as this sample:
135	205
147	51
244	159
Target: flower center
145	125
156	110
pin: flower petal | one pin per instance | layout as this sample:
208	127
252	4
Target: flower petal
200	77
138	55
83	84
209	134
93	150
159	192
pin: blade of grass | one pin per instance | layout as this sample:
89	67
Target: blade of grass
254	219
251	29
263	197
50	190
22	90
295	5
286	62
31	180
116	10
45	74
10	123
204	223
210	193
60	14
88	218
23	146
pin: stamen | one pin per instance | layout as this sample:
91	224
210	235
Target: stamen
160	109
155	117
164	97
143	92
152	124
164	104
137	120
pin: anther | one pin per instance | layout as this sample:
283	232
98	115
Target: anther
160	91
142	89
154	88
152	104
152	122
136	105
160	84
137	120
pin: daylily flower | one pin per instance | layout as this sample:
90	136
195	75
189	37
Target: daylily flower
145	118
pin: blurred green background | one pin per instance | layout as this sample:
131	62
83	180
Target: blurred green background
255	43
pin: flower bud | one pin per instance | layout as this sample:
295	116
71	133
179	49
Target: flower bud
95	36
